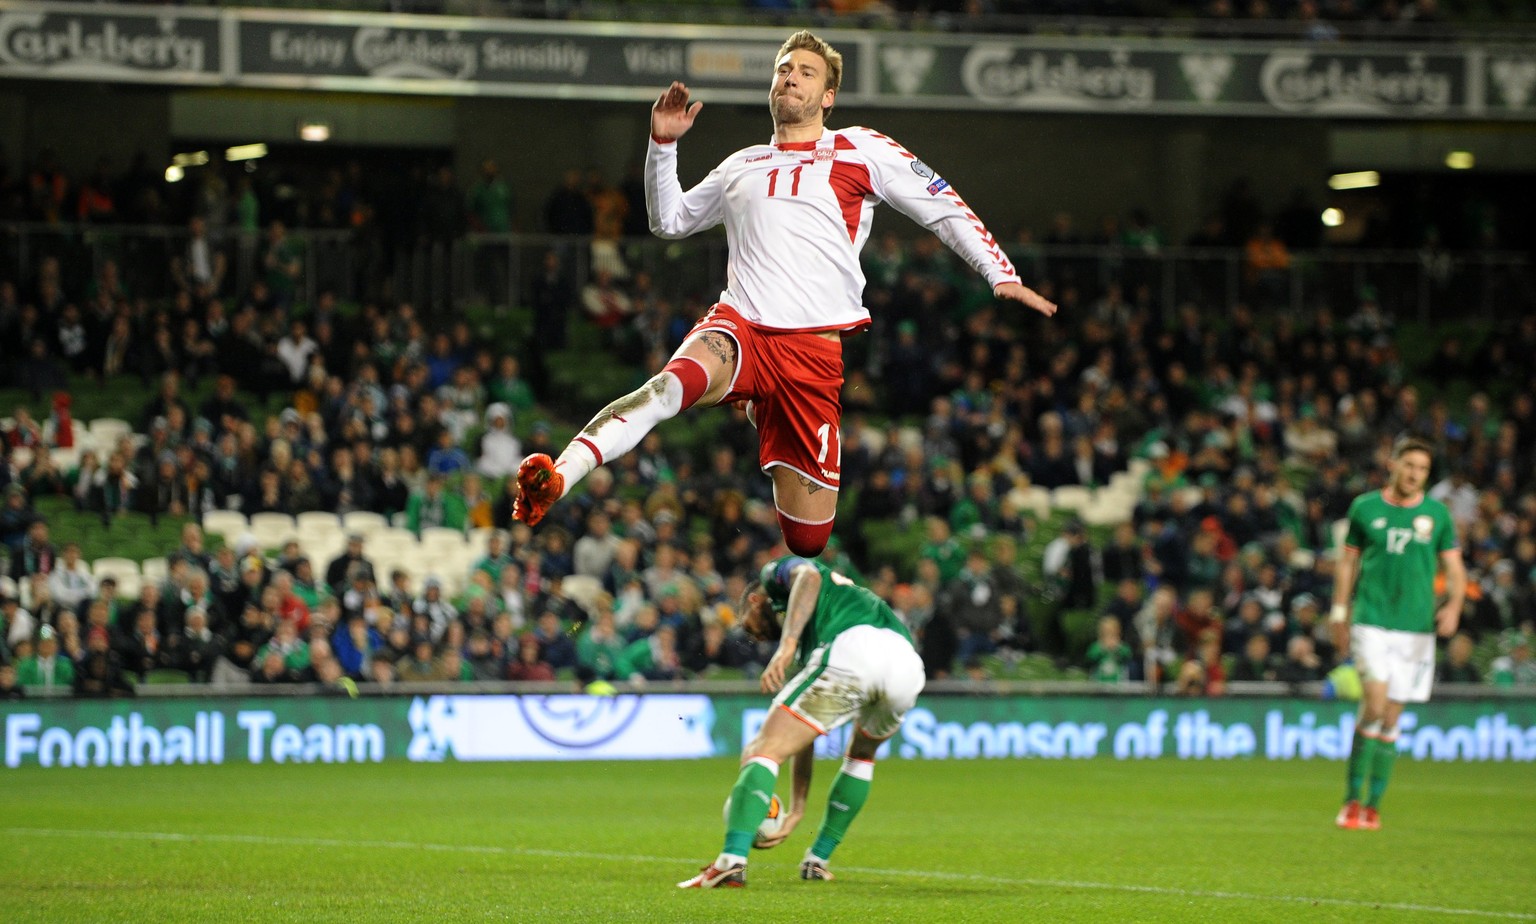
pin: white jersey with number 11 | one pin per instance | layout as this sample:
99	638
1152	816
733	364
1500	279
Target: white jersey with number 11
796	216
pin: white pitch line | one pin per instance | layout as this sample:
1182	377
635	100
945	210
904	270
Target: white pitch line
870	871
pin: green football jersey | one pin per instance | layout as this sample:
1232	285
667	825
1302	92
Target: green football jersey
841	605
1399	556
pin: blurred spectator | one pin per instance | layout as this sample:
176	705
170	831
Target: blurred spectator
195	649
1256	663
973	606
1514	667
16	623
1457	666
10	685
653	657
48	670
1302	663
1068	562
35	554
1109	657
435	506
16	519
99	675
499	452
555	646
529	664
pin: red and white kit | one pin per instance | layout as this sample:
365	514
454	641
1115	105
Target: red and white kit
796	216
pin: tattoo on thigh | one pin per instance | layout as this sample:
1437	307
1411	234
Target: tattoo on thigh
723	347
810	486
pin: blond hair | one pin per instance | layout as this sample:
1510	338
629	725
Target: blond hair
807	40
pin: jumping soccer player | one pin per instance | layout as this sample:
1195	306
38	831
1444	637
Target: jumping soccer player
1398	538
856	661
796	212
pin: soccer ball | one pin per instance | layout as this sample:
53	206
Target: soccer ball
771	824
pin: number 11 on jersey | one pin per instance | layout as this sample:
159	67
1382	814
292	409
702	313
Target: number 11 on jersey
825	433
794	186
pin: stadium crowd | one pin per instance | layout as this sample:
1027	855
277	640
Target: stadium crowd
1256	428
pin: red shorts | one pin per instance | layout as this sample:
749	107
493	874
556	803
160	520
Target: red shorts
794	381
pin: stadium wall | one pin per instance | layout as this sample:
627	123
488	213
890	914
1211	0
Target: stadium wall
208	730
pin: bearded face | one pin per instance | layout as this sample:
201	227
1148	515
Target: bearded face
799	94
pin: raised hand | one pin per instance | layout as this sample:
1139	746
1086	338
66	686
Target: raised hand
672	116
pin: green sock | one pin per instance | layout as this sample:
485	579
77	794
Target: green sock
1382	763
749	806
849	791
1360	754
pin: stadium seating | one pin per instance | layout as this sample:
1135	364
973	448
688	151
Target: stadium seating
437	539
1071	497
364	521
1038	501
155	570
273	529
106	431
124	570
479	541
318	519
226	523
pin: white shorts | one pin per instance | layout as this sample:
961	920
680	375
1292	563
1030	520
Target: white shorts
867	673
1404	661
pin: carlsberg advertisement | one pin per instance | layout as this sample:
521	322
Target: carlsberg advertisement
61	734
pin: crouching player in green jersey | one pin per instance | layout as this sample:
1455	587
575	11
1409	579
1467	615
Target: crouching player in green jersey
855	661
1397	541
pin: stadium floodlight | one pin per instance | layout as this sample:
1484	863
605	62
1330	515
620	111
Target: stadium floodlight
1332	218
191	159
245	152
1460	160
1361	179
174	173
314	131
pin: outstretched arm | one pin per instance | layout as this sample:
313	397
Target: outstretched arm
916	191
804	588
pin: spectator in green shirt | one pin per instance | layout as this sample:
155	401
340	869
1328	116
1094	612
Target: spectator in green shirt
1109	658
46	670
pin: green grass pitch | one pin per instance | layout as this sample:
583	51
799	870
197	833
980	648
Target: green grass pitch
960	841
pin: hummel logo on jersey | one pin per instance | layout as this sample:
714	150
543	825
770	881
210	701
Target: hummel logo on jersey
757	157
1379	523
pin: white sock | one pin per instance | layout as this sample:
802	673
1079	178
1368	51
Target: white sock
620	427
575	463
728	860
